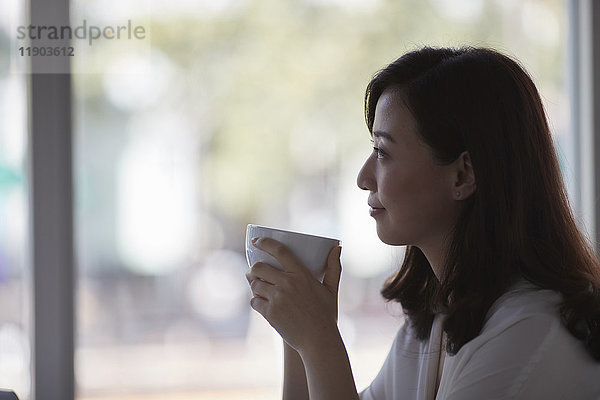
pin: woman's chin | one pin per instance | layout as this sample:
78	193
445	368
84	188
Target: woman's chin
391	240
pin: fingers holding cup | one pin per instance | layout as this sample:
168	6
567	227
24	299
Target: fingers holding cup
265	272
280	252
261	289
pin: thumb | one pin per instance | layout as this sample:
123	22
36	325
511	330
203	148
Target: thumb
333	271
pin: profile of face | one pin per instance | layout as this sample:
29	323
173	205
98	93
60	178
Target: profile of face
413	199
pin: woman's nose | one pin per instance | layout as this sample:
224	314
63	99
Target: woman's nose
365	180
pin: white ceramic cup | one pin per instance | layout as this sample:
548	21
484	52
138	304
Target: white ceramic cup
311	250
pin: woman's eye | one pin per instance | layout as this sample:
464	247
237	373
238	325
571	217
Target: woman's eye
380	153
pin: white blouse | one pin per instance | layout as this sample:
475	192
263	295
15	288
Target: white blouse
522	352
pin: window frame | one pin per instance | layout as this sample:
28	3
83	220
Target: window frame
584	98
51	251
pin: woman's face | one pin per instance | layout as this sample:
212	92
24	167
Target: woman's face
411	196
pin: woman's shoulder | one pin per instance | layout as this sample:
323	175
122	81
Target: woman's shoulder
527	320
522	351
524	313
522	301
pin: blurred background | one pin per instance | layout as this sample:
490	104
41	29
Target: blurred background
240	111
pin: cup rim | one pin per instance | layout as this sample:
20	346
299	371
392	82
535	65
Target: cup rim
292	232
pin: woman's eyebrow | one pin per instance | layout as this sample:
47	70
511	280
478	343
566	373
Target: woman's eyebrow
384	135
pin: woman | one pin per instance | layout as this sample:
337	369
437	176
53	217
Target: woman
500	289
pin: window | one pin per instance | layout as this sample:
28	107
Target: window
249	112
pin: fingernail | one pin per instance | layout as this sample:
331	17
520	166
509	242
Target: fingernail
254	240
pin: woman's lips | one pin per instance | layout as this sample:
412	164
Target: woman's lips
373	211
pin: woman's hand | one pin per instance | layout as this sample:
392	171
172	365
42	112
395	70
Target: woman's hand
302	309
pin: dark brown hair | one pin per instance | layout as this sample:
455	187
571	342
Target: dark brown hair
518	223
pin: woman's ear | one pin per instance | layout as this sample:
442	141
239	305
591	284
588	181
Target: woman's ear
464	182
